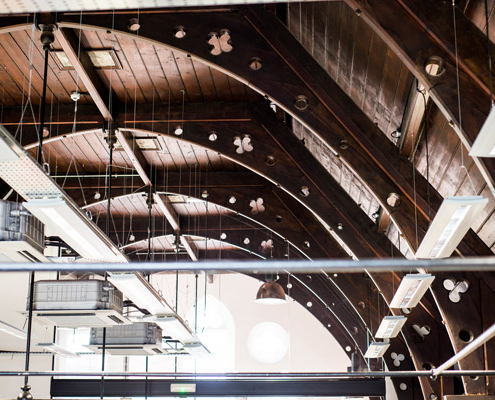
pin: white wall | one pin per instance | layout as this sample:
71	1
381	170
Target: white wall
312	347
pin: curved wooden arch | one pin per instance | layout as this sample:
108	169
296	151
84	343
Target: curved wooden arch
319	122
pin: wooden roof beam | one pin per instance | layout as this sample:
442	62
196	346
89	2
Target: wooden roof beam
167	209
103	98
131	148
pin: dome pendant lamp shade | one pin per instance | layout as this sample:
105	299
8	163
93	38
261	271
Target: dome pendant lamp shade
25	394
271	292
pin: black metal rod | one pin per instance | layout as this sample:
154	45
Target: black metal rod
256	375
42	116
150	207
29	326
102	388
109	189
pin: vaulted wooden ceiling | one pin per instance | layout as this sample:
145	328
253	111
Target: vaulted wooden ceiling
290	146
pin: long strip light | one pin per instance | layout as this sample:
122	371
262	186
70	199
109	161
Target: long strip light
12	330
451	223
484	145
197	349
390	327
140	291
173	326
59	350
75	229
377	349
411	290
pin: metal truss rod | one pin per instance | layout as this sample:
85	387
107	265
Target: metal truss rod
249	266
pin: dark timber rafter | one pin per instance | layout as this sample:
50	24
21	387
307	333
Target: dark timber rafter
72	46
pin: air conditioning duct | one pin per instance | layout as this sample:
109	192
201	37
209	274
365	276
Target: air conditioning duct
21	235
73	303
138	339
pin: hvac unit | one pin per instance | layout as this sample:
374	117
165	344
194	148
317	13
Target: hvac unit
73	304
138	339
21	235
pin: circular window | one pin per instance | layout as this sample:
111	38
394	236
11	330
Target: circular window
268	342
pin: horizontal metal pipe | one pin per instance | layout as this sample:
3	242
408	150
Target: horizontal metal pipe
257	375
249	266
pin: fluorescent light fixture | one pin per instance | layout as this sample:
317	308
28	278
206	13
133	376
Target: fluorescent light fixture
484	145
452	221
59	350
75	229
377	349
411	290
390	327
7	153
173	326
12	330
182	388
197	349
140	291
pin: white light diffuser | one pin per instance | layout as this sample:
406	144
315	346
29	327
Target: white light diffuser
484	145
140	292
59	350
12	330
452	221
376	349
75	229
390	327
411	290
173	326
197	349
7	154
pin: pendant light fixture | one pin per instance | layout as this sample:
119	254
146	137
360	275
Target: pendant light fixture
271	292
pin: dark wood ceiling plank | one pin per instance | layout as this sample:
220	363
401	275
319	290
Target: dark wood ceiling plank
155	71
394	24
221	82
171	72
205	81
22	57
361	52
60	83
137	68
189	78
20	76
346	45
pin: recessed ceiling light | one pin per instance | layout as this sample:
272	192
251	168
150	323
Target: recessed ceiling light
101	59
105	59
62	60
146	143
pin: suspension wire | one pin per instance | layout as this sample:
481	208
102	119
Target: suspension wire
463	166
487	20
